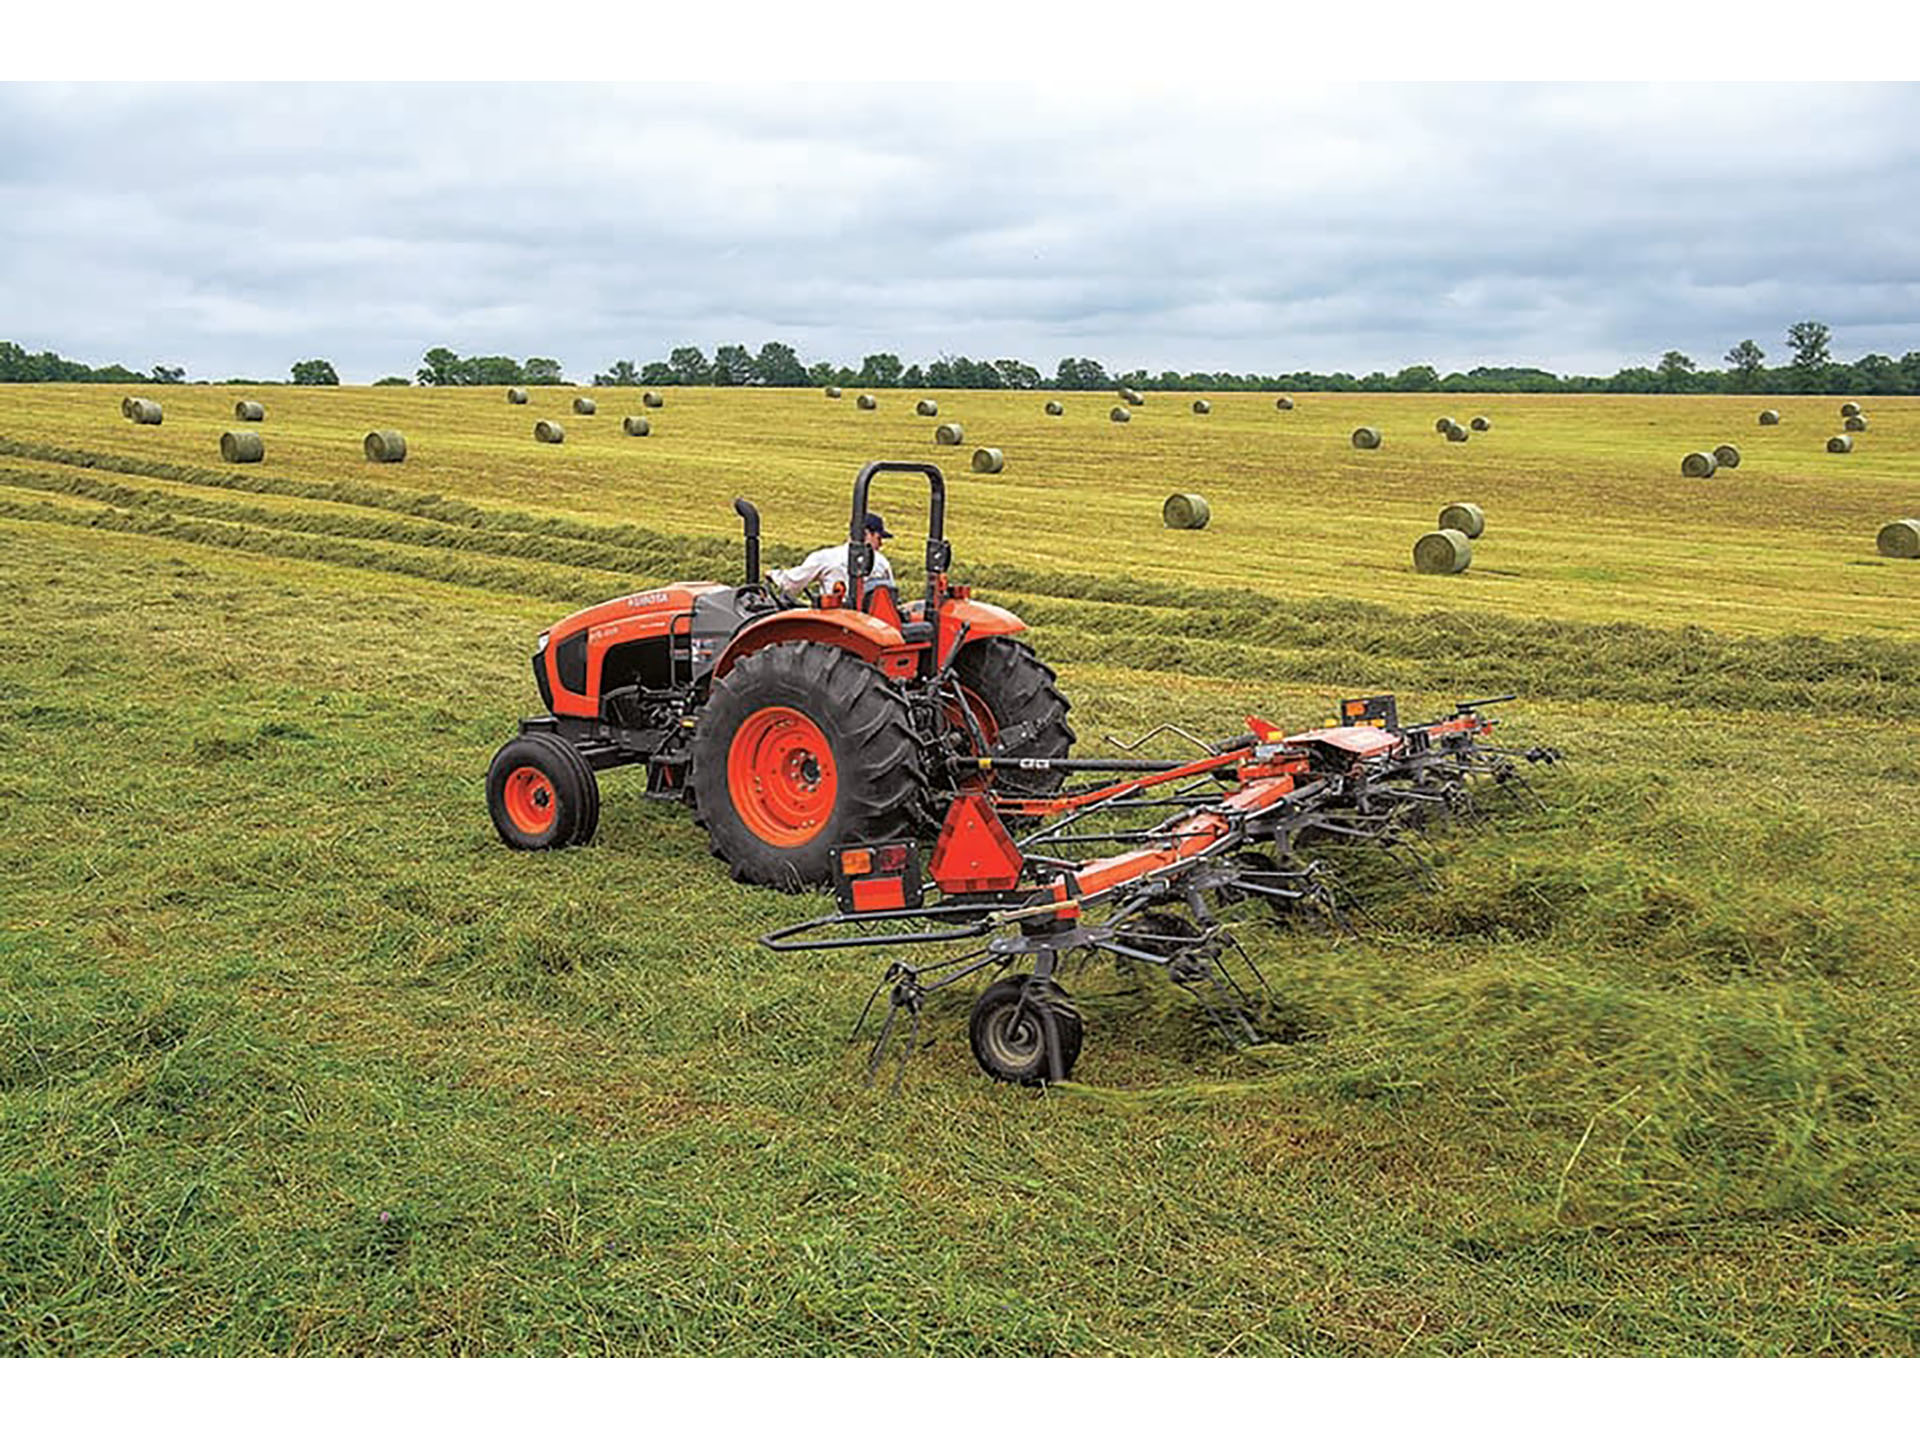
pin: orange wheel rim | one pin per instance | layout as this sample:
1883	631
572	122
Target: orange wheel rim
989	731
781	776
529	800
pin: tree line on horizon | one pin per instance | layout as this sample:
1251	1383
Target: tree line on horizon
1810	369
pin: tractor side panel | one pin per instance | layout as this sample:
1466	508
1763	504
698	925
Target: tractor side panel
874	641
577	646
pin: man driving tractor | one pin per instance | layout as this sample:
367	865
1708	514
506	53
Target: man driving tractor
828	565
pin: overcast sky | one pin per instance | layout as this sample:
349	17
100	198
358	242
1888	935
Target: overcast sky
234	230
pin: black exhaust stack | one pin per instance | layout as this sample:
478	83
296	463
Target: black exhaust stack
750	517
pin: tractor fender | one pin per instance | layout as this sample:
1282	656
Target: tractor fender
854	630
981	620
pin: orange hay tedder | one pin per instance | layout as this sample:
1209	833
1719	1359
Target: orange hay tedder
821	743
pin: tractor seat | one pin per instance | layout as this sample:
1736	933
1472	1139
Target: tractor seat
882	601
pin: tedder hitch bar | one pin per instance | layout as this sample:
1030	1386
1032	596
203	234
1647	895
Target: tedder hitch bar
1236	822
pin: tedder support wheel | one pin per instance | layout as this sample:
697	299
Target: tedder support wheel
1020	693
542	794
801	748
1010	1030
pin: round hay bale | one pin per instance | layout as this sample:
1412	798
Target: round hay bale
1481	423
242	447
988	461
1840	445
927	407
386	447
1202	407
1054	407
1850	409
249	410
1899	539
1285	402
583	405
1469	519
1698	465
1186	512
1132	397
1856	423
1120	414
637	425
1444	424
653	399
516	395
867	402
145	412
949	434
1769	417
549	432
833	392
127	402
1366	438
1458	434
1727	457
1442	552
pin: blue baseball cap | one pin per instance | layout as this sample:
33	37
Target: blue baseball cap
874	522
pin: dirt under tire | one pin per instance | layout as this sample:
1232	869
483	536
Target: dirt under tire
541	794
1016	1025
802	748
1022	695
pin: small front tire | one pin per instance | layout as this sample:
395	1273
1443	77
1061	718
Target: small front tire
1016	1024
541	794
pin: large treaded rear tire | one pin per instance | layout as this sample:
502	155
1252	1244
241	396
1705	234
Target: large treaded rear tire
1019	688
866	787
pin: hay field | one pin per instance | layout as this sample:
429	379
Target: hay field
296	1058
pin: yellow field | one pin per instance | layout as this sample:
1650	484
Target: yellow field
1588	517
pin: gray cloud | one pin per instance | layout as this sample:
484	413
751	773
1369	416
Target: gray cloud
235	229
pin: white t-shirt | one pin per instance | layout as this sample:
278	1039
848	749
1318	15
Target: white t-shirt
829	566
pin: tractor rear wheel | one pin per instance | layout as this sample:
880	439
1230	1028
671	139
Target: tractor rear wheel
802	748
542	794
1019	693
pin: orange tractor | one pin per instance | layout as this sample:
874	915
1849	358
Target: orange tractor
794	729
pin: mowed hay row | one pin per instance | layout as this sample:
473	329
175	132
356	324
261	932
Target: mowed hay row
242	447
1186	511
1442	552
1366	438
549	432
1899	540
928	408
1698	465
1054	407
1466	517
385	447
1769	417
637	425
988	461
251	410
950	432
1727	457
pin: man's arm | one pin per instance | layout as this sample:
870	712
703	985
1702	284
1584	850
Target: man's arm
793	581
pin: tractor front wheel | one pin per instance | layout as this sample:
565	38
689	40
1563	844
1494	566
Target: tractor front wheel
802	748
542	794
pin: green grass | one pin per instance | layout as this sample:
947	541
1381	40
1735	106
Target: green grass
295	1058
